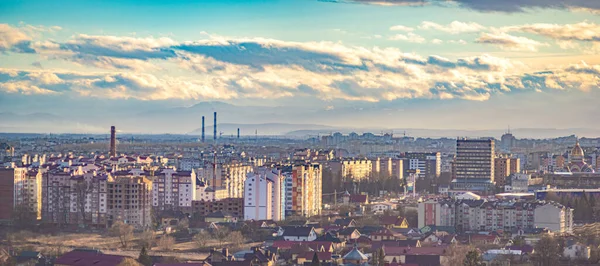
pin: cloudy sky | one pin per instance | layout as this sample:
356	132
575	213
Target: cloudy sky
474	64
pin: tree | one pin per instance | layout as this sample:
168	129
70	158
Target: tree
472	259
81	190
221	235
128	262
183	225
457	254
378	258
144	258
24	217
547	252
202	239
123	231
235	239
147	238
315	260
166	242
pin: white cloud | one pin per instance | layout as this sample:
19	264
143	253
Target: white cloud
510	42
409	37
401	28
583	31
437	41
455	27
10	36
462	42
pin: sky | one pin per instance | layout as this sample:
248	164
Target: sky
439	64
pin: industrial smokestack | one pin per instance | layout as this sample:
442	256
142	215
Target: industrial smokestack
238	133
215	127
113	141
202	129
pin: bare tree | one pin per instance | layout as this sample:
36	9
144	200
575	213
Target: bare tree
123	231
547	252
166	242
457	254
147	238
202	239
221	235
81	190
129	262
235	239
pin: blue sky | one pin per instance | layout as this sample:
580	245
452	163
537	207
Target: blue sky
516	61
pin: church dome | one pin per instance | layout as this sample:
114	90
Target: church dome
577	150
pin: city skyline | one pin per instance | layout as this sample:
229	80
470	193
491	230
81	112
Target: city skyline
346	64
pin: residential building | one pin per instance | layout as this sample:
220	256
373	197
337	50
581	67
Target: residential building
230	176
518	183
233	206
130	200
352	168
501	170
515	165
13	191
577	251
483	215
303	189
264	195
474	165
205	192
429	164
173	190
291	233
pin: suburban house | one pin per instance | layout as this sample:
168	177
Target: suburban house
393	222
298	233
577	251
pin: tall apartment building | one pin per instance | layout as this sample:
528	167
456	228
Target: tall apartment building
482	215
233	206
429	164
230	176
474	165
352	168
515	165
173	190
19	188
303	189
204	192
130	200
75	197
501	170
264	195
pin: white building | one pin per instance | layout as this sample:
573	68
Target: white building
381	207
555	217
519	183
189	164
172	189
264	195
483	215
577	251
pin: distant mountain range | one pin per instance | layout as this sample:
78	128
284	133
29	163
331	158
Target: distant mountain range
268	121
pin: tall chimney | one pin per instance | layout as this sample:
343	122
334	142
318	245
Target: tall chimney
238	133
215	127
113	141
202	129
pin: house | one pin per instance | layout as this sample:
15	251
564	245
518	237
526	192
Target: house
382	207
26	258
220	217
298	233
375	245
393	222
439	238
345	222
86	258
355	257
260	257
577	251
384	234
348	234
219	256
479	239
419	255
324	257
337	242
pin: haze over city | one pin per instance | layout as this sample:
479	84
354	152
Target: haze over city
478	66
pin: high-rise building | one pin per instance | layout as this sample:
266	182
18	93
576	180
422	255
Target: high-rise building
264	195
507	141
502	168
428	163
352	168
303	189
173	190
474	164
113	142
515	165
230	176
130	200
18	192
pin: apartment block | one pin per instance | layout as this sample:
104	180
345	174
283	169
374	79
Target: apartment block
130	200
264	195
173	190
230	176
429	164
501	170
352	168
473	167
483	215
233	206
304	190
14	192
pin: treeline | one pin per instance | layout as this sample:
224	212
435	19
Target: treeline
586	208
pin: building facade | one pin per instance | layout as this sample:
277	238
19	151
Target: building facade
303	187
264	195
429	164
352	168
474	165
130	200
173	190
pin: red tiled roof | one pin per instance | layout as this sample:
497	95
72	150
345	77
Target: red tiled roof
84	258
397	251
